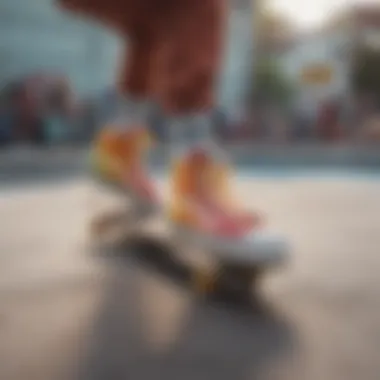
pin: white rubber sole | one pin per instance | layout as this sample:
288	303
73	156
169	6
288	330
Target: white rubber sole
259	248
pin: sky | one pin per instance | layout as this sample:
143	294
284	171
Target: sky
310	13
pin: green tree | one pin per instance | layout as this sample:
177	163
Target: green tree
271	85
366	72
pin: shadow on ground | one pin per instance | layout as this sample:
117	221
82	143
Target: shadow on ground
218	341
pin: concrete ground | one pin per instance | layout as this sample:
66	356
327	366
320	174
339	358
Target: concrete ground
67	314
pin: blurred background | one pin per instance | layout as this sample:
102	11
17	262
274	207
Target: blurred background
290	75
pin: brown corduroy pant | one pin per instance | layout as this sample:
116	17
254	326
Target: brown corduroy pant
174	48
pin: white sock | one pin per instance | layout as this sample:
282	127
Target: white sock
131	112
193	131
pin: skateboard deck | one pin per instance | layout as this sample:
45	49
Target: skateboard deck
209	269
214	263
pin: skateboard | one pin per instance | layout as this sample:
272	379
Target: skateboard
215	265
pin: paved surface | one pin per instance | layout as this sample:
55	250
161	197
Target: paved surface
67	314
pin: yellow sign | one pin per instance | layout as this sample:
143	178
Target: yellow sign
317	74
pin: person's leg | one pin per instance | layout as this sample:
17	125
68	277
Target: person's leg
120	146
186	59
129	18
187	73
191	66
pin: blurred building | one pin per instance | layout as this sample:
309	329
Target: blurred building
36	36
318	65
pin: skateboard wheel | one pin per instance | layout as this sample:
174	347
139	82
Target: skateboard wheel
204	282
238	280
